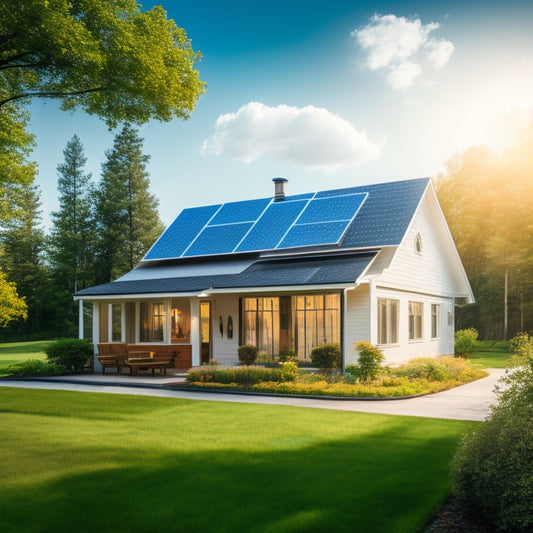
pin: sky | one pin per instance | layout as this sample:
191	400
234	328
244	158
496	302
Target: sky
327	94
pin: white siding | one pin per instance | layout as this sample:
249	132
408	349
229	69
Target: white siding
426	346
357	321
224	350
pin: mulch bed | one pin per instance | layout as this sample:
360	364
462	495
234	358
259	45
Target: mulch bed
456	516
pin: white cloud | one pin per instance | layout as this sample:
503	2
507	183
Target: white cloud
309	136
403	47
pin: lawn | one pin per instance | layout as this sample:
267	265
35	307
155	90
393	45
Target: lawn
90	462
491	354
18	352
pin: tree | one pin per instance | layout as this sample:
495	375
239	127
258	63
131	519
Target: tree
105	56
73	232
487	200
12	306
22	261
127	216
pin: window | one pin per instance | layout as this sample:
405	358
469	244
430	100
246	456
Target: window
435	321
180	321
316	320
261	324
387	321
415	320
152	317
298	322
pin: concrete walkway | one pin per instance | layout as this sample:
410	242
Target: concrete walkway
468	402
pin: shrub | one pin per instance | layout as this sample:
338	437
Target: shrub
370	359
327	356
289	371
465	341
71	354
522	348
353	370
492	467
34	368
264	358
240	375
247	354
287	356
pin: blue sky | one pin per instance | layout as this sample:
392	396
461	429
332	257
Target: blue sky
326	94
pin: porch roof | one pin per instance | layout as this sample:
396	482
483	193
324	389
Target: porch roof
272	272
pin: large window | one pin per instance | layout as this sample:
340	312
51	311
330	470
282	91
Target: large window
152	318
387	321
416	310
261	324
435	321
298	323
317	320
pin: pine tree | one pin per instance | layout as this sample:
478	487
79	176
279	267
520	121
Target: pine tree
72	237
127	213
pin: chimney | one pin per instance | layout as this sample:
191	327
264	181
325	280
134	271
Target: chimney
279	188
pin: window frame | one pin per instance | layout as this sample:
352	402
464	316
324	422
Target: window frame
416	321
388	321
435	321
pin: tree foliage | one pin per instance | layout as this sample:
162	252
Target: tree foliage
127	215
487	201
105	56
12	306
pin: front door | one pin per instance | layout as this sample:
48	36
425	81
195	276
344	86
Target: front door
205	332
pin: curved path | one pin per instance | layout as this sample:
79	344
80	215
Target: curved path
468	402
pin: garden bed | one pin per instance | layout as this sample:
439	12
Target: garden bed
416	378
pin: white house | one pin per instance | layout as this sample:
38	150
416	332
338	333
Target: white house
373	263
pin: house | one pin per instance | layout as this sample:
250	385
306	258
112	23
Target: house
373	263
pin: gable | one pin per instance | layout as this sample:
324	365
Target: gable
427	260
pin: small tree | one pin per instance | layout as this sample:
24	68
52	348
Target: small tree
370	359
70	354
247	354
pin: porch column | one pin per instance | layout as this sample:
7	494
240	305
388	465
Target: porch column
80	319
96	335
373	312
195	330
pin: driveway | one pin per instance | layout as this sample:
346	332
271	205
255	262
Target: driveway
468	402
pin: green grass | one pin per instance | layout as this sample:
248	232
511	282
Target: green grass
491	354
18	352
89	462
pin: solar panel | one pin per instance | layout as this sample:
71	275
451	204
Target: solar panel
269	230
310	219
218	239
178	236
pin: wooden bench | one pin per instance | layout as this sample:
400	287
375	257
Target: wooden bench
112	361
142	361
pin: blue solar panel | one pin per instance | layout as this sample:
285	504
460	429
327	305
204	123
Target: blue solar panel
181	232
330	209
259	225
218	239
235	212
314	234
272	226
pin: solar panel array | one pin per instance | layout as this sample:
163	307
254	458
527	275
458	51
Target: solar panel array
258	225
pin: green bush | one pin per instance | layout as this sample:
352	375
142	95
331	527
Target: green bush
289	371
465	342
287	356
264	358
71	354
353	370
241	375
492	468
522	348
247	354
327	356
35	368
370	359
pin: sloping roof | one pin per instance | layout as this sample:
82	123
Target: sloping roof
357	217
274	272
